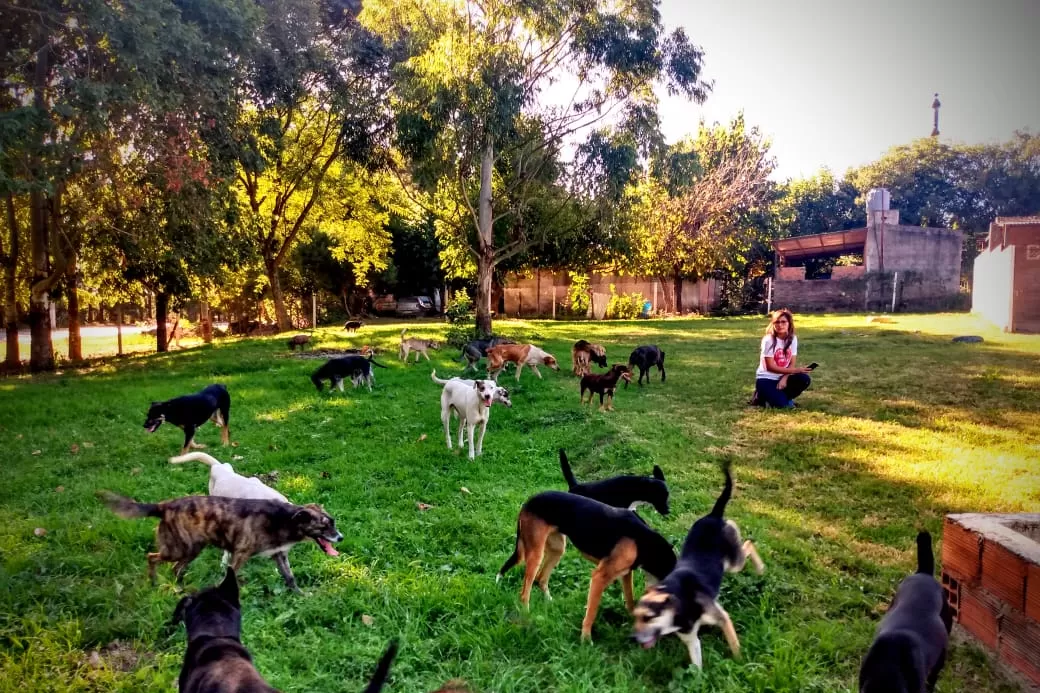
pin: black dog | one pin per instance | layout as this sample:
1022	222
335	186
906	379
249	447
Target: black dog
688	598
616	540
357	368
353	325
625	491
909	649
644	358
216	661
191	411
476	349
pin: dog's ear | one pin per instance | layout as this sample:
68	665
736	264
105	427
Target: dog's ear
179	610
229	587
658	473
302	516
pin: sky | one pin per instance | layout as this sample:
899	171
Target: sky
838	83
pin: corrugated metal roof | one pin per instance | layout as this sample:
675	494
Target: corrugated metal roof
827	244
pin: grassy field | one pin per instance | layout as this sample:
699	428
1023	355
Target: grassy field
900	427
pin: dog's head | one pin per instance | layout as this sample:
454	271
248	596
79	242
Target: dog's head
314	522
657	491
155	417
501	396
213	612
550	361
623	372
656	615
431	344
486	391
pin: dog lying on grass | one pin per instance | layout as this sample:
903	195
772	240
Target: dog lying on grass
687	598
605	384
244	527
625	491
616	540
909	650
215	660
188	412
471	400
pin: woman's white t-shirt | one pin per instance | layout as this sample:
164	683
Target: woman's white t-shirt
771	346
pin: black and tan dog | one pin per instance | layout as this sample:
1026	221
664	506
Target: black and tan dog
605	384
244	527
644	358
909	649
357	368
419	346
687	598
624	491
616	540
353	325
215	660
584	352
191	411
476	349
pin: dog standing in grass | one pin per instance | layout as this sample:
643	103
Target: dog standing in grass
419	346
583	352
471	400
189	412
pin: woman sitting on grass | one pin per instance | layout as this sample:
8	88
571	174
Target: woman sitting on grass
778	380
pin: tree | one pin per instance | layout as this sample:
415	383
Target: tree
470	101
706	220
314	107
818	204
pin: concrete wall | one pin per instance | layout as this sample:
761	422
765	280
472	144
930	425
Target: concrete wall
534	295
867	291
991	294
935	253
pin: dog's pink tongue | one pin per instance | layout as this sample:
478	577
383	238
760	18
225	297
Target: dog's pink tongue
326	547
648	644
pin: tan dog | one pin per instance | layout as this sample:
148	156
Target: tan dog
584	352
521	355
419	346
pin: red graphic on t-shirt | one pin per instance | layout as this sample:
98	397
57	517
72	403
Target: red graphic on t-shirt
782	357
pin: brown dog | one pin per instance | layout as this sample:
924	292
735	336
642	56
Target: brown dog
300	340
521	355
419	346
605	384
244	527
583	353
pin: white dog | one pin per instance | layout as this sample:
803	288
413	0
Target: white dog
225	481
471	400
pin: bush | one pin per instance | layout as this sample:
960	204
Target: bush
458	335
459	310
578	293
625	306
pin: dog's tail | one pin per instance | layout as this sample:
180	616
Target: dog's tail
208	460
568	475
434	378
403	331
727	491
925	557
371	359
514	558
375	684
125	507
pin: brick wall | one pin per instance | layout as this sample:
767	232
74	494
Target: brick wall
1025	309
867	291
991	577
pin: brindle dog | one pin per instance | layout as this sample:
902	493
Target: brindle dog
244	527
216	661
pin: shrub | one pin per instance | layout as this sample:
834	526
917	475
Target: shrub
459	309
578	293
625	306
458	335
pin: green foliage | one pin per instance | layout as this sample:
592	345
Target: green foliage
816	205
459	309
625	306
578	293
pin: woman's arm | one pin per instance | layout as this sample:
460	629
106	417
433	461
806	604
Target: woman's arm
773	368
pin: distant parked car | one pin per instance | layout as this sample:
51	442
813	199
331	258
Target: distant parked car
414	306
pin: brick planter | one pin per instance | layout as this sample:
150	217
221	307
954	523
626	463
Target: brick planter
991	574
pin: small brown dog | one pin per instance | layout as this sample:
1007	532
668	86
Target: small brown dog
299	340
419	346
584	352
605	384
244	527
520	354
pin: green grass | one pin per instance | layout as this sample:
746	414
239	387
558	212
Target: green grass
900	427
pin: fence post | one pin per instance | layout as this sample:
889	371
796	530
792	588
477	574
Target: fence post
769	295
895	284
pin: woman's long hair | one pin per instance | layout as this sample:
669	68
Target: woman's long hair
771	330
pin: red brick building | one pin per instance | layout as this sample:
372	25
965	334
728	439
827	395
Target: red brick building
1007	275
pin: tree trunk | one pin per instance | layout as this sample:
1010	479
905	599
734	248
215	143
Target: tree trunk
12	359
486	245
280	312
75	341
205	322
41	351
678	292
162	305
119	329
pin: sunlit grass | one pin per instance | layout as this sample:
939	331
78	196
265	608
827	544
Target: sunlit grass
900	427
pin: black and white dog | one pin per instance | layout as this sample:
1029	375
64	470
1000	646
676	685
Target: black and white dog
191	411
644	358
909	649
624	491
357	368
687	598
